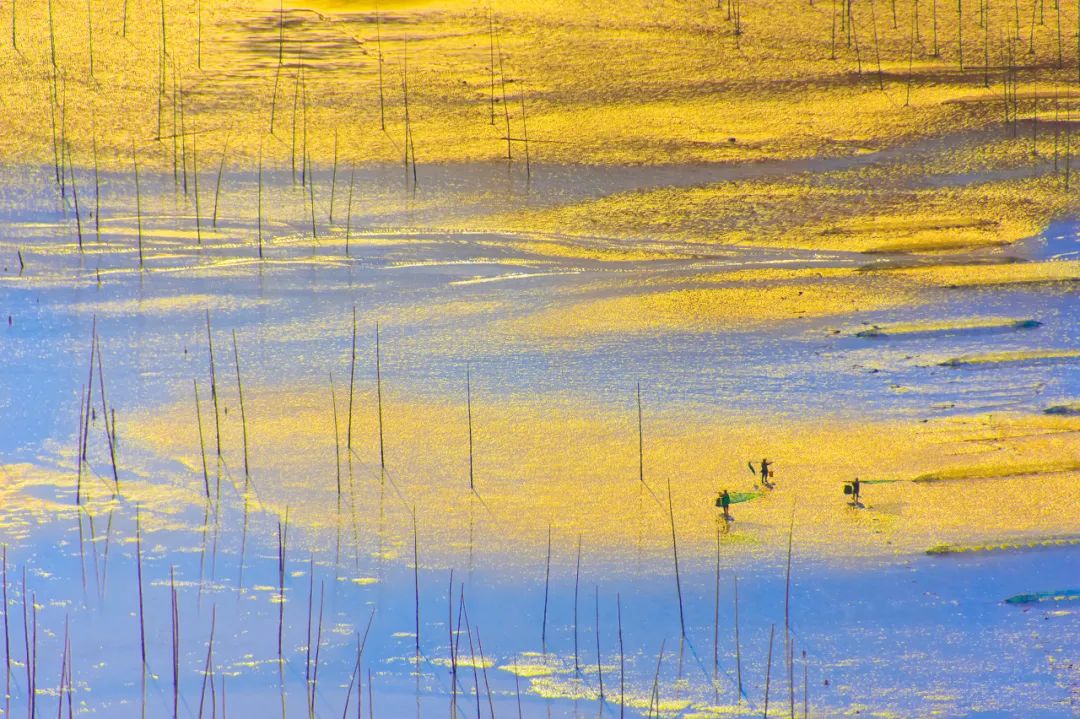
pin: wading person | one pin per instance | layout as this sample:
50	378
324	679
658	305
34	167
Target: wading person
723	501
766	473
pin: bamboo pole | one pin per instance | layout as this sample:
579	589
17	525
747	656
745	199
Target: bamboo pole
768	671
217	185
105	416
622	660
63	672
209	666
577	581
202	443
259	207
97	186
491	62
641	439
654	697
378	390
75	198
175	646
195	176
7	635
525	134
716	614
483	669
318	647
788	650
382	104
506	108
675	552
348	210
547	585
352	385
468	405
333	177
243	415
26	648
138	201
599	660
454	636
416	587
213	386
738	646
307	644
282	548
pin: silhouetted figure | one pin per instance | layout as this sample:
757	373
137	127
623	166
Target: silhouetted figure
765	473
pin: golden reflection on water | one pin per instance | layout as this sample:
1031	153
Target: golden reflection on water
575	468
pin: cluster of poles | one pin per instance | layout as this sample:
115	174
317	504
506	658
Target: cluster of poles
177	133
464	634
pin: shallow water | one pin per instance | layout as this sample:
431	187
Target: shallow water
899	636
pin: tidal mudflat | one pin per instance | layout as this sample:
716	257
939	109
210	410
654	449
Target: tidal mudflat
389	359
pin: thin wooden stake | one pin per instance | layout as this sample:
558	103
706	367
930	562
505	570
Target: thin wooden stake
738	646
318	647
75	198
378	390
138	200
768	671
282	541
491	62
416	586
622	661
243	415
716	612
213	386
311	197
577	581
382	107
195	175
175	646
506	108
675	552
352	384
787	616
333	177
599	662
525	133
259	209
468	405
26	647
217	185
483	668
654	698
105	416
97	186
7	637
348	210
641	439
202	443
806	688
454	636
547	585
208	667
